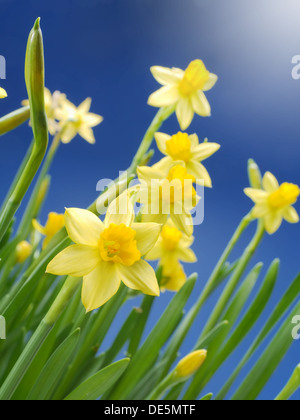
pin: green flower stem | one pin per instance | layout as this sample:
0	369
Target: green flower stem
291	387
34	76
18	372
163	387
11	121
240	269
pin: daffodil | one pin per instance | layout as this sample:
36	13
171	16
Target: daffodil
23	251
163	196
190	364
106	254
79	120
173	278
54	223
185	89
3	93
52	104
186	149
274	203
172	246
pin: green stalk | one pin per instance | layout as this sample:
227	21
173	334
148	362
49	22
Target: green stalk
11	121
34	76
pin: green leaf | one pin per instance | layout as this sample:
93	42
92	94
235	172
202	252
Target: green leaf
207	397
96	385
54	369
291	387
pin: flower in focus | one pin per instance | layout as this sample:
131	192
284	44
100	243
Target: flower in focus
172	246
188	150
54	224
173	277
3	93
52	104
185	89
274	203
172	195
190	364
79	120
108	253
23	251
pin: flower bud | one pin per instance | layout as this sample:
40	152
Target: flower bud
190	364
23	250
254	174
3	93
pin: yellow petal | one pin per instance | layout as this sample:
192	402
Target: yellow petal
165	96
186	255
200	104
146	236
38	227
161	140
290	215
185	113
155	253
258	196
92	120
272	222
164	165
260	210
100	285
270	183
83	226
165	75
3	93
147	174
140	276
87	134
159	219
183	222
85	106
194	141
68	133
76	261
120	211
200	173
213	78
204	151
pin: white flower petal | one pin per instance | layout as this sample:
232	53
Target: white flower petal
83	226
140	276
100	285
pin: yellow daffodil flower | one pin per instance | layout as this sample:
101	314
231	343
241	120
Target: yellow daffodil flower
78	121
54	223
173	278
52	104
172	246
163	196
23	251
190	364
274	203
185	89
186	149
106	254
3	93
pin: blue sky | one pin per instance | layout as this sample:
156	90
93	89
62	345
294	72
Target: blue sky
104	49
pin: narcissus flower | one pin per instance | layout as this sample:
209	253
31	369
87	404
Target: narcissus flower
186	149
78	121
163	196
3	93
274	203
185	89
171	247
54	223
173	277
106	254
190	364
52	104
23	251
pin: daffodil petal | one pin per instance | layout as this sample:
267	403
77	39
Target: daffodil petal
272	222
3	93
100	285
37	226
68	133
147	174
200	173
183	222
185	113
290	215
165	96
165	75
213	78
87	134
260	210
92	120
270	183
146	236
83	226
76	261
159	219
258	196
161	140
140	276
164	165
204	151
155	253
200	104
120	211
187	255
85	106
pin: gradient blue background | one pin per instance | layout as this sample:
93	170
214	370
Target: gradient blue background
104	49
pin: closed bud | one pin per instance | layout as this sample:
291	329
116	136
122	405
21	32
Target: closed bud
254	174
24	250
190	364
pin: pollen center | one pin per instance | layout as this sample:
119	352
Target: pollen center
117	244
179	147
286	195
171	237
194	79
